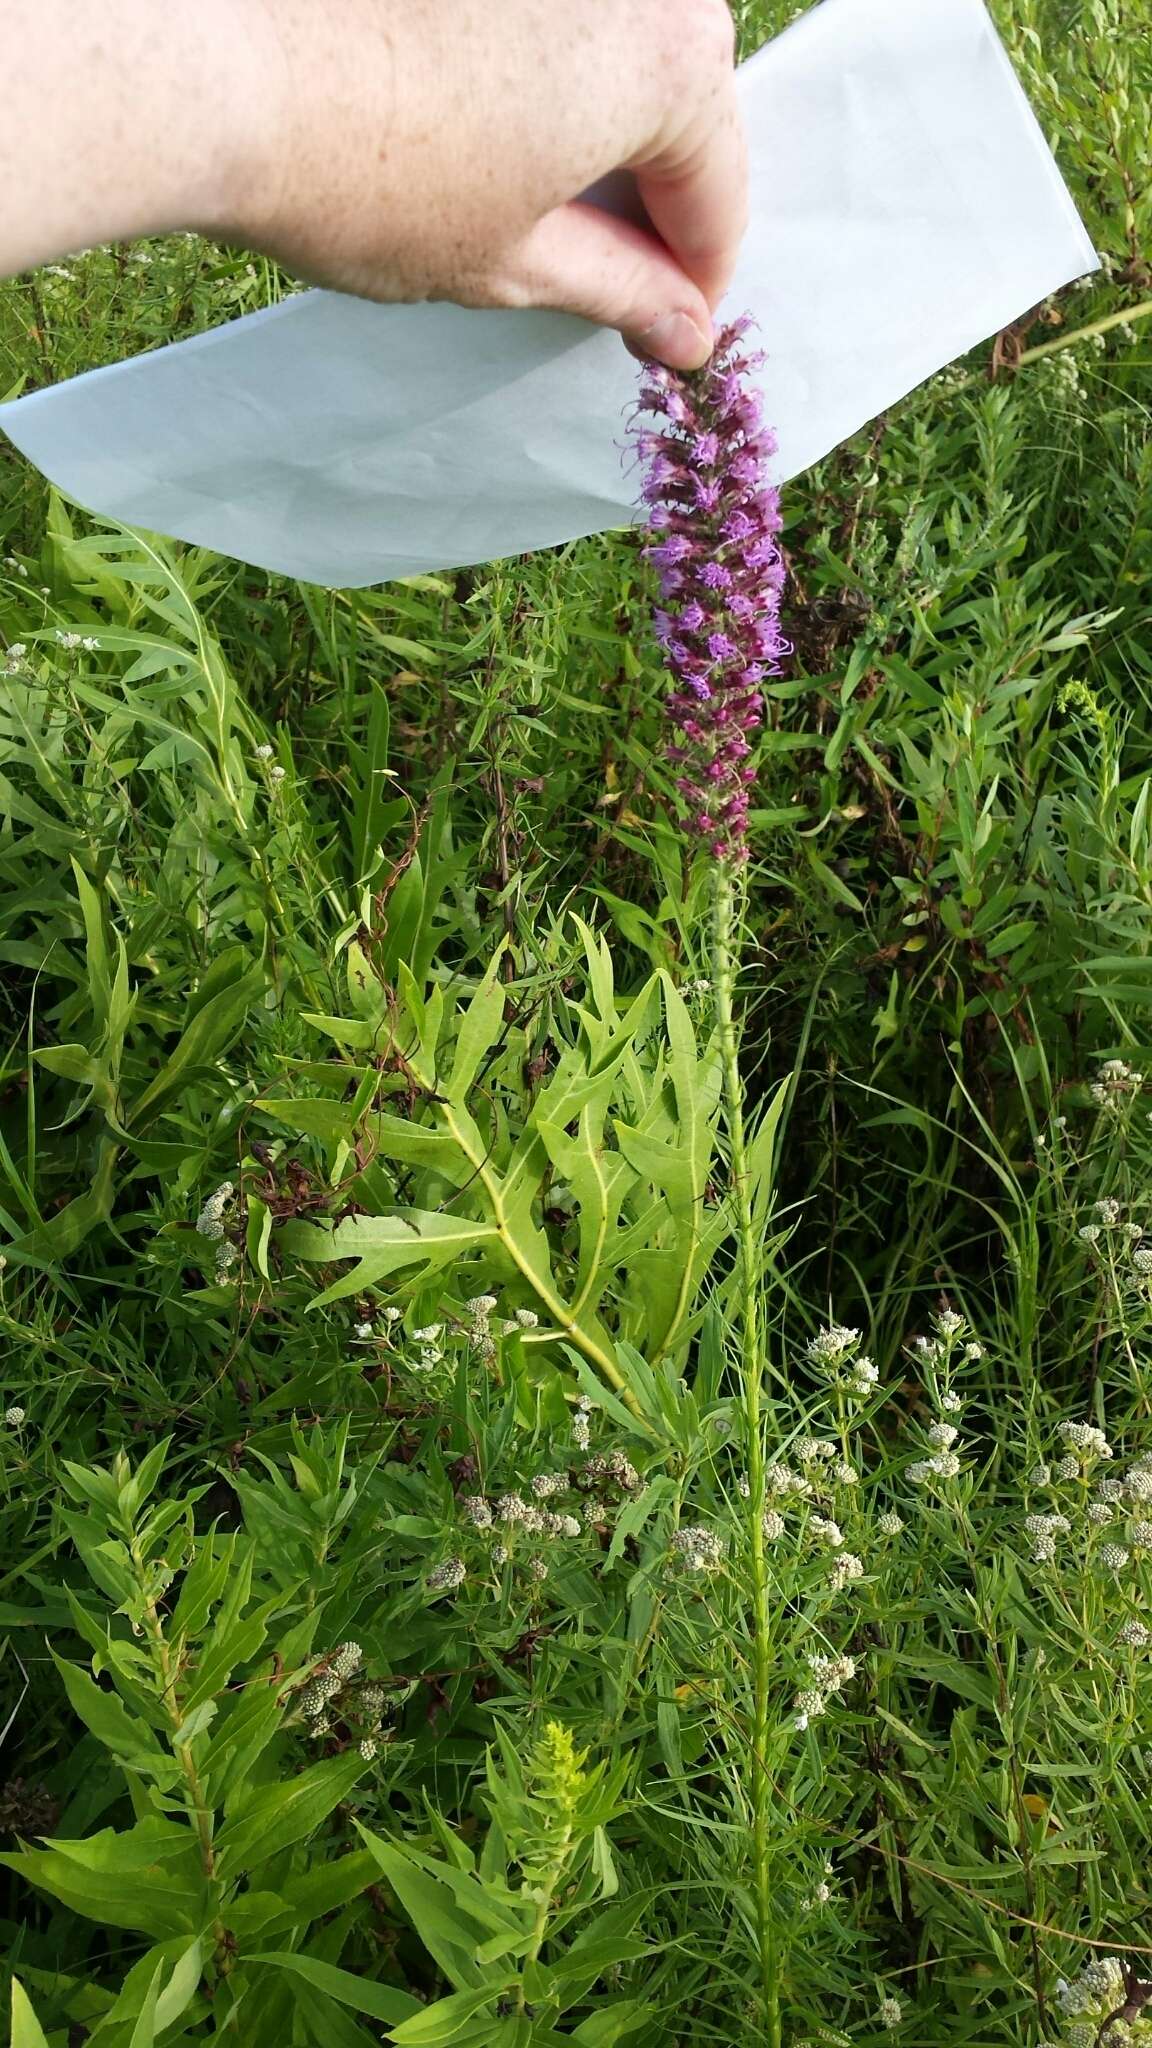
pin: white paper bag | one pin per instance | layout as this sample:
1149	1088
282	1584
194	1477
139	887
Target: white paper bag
904	207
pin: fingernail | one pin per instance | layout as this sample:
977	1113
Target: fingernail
678	340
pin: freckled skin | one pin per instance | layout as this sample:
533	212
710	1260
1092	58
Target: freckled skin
400	149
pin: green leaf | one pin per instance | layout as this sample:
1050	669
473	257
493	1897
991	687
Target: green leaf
450	1911
128	1738
480	1027
181	1987
144	2032
603	2029
62	1235
384	1245
157	1883
210	1031
281	1814
449	2019
379	2001
26	2029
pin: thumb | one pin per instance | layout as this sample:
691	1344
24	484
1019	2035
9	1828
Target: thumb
578	259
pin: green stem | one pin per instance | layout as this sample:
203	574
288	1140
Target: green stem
199	1810
724	955
548	1891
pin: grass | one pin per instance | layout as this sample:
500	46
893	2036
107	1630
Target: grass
435	974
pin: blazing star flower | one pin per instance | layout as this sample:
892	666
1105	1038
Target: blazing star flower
713	519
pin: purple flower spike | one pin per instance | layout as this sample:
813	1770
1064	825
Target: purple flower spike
713	522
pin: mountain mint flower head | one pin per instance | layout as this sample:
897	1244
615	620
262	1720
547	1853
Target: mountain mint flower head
830	1347
445	1578
701	1550
713	520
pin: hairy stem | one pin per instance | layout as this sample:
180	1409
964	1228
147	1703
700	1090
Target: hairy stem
550	1886
725	951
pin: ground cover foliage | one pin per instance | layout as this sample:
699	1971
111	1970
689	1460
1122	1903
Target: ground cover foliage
375	1646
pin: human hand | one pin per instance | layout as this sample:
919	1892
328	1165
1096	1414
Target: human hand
415	149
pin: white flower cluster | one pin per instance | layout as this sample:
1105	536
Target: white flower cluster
1137	1483
428	1350
1085	1440
445	1577
480	1338
581	1427
936	1351
1042	1531
829	1676
699	1549
1097	1989
342	1664
545	1484
941	1465
612	1467
210	1221
13	1418
316	1695
845	1567
780	1481
512	1511
863	1379
14	658
889	1524
1116	1081
524	1319
831	1346
834	1351
890	2013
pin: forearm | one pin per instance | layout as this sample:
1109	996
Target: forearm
400	149
125	117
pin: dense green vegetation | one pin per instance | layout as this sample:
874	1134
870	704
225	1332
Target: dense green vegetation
375	1653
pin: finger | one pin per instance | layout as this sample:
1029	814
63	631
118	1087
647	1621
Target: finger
580	260
696	195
